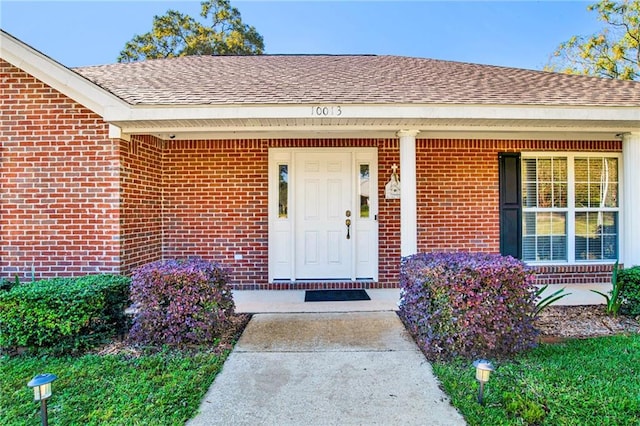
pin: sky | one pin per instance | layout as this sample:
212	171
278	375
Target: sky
521	34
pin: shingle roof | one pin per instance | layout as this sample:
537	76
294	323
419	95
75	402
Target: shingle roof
349	79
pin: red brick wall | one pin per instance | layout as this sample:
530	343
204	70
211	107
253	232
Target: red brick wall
140	201
59	178
74	201
215	204
389	216
458	198
573	274
457	184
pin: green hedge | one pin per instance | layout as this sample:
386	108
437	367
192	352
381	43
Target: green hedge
629	280
64	313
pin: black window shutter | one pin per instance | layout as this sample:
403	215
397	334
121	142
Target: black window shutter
510	205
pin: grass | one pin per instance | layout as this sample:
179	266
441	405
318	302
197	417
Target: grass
161	389
578	382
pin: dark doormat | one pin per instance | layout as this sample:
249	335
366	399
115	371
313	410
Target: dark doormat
335	295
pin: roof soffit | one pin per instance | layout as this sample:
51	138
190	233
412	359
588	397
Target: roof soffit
374	118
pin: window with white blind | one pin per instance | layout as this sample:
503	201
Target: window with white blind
570	207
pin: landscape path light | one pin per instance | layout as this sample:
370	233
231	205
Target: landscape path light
483	371
41	385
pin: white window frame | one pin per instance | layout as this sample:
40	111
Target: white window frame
571	209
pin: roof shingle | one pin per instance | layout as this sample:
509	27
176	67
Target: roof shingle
349	79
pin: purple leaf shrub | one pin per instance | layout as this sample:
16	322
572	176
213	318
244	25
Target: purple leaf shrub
180	302
468	304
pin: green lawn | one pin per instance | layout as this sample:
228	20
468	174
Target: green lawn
579	382
160	389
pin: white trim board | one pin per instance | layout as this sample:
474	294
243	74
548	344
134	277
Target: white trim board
59	77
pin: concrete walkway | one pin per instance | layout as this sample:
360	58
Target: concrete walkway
332	363
330	368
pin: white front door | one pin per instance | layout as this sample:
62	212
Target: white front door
323	204
323	214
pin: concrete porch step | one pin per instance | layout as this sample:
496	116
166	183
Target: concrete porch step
292	301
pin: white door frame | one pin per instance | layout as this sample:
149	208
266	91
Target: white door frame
282	241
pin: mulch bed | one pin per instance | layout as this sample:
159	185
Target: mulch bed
237	324
557	323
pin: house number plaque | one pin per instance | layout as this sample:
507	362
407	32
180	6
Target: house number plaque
326	111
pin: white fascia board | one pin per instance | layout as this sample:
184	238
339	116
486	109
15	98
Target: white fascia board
376	133
378	128
59	77
339	111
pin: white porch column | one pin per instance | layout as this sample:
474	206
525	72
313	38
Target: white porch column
631	198
408	197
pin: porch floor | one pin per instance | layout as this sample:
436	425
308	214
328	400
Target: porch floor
292	301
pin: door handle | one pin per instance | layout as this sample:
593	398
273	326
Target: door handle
348	223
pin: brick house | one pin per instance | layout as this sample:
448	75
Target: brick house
313	171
